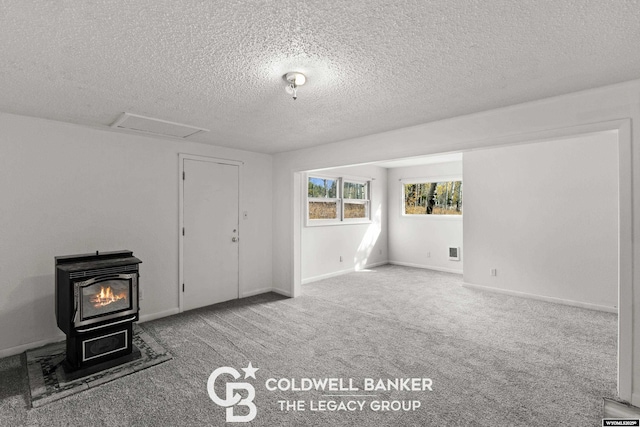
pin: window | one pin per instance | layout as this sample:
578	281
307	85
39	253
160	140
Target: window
433	198
337	200
323	198
355	200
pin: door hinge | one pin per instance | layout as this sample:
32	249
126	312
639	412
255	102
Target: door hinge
183	231
183	175
183	287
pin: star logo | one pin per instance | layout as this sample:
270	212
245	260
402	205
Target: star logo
250	371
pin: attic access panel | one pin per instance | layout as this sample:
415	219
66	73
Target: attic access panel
136	123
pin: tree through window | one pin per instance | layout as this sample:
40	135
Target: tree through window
323	198
433	198
339	199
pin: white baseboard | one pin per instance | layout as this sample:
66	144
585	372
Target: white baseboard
618	409
427	267
158	315
24	347
264	291
281	292
544	298
635	399
340	272
375	264
256	292
326	276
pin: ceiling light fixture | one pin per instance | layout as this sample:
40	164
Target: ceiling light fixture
294	79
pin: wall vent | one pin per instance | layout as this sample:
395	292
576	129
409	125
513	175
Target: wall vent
149	125
454	254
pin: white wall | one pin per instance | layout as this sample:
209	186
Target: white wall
360	245
420	240
611	107
545	216
67	189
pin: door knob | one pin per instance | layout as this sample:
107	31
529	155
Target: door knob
234	239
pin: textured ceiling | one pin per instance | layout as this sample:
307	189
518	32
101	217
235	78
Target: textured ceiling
372	65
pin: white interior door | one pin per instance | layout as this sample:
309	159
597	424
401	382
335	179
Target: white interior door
210	242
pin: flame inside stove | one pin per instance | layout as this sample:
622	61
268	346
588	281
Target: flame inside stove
106	297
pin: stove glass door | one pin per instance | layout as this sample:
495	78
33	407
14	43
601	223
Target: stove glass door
107	295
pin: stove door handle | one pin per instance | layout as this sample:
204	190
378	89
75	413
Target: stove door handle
107	325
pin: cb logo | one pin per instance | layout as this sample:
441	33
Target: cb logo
233	398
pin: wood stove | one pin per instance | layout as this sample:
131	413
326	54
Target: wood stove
96	305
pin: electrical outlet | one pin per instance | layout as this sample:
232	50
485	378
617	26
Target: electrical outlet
380	251
428	254
340	258
493	272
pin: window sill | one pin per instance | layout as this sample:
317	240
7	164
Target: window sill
327	223
435	217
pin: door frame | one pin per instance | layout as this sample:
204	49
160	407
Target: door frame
181	158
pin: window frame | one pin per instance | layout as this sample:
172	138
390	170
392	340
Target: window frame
339	200
366	201
336	200
423	180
